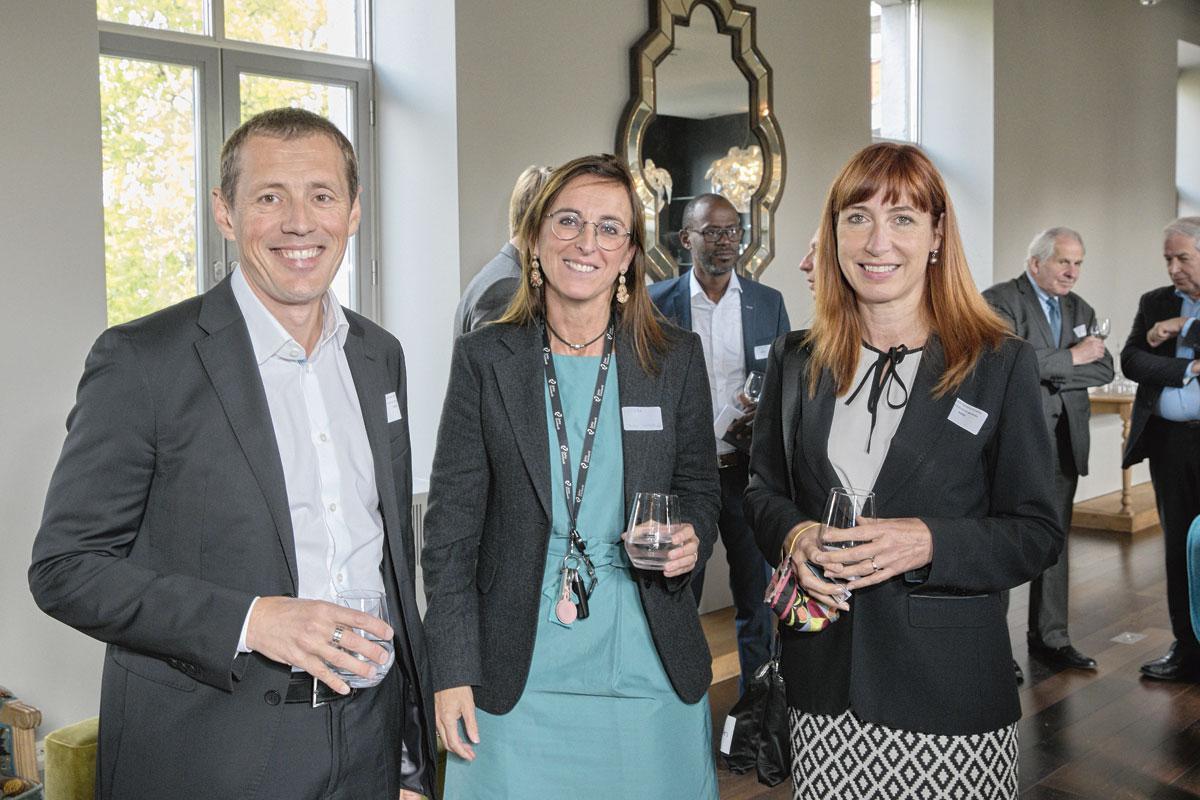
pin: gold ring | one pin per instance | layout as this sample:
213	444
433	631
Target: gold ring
336	639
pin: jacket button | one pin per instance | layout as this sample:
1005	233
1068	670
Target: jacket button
272	697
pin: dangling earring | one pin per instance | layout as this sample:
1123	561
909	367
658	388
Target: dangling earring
535	274
933	256
622	292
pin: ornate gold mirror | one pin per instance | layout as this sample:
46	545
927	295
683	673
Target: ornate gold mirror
700	120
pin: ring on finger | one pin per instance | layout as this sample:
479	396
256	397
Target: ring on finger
336	639
875	566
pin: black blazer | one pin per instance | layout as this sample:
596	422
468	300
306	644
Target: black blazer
488	524
1064	385
167	514
1154	368
928	651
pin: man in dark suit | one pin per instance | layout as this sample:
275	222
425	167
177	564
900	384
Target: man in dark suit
234	465
1161	355
1040	307
737	320
490	291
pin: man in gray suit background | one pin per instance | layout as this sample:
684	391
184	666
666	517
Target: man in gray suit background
1040	307
493	287
234	466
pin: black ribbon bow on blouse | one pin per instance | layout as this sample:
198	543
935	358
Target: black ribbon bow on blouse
883	376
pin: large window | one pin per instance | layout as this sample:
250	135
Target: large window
894	70
176	78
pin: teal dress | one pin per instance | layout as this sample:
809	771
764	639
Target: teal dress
598	717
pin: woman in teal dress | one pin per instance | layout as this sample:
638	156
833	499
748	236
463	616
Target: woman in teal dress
559	669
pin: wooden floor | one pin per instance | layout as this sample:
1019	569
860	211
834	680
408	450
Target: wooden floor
1092	735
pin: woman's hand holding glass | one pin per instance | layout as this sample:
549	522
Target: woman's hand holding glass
885	548
806	549
682	558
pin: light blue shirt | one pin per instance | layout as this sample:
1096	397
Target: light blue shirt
1044	300
1182	404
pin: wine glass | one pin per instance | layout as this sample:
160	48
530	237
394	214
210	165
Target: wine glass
373	602
842	510
1099	327
653	520
753	386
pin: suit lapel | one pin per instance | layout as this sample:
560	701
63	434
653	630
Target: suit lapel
921	427
640	390
749	337
683	300
816	420
521	380
1035	312
228	358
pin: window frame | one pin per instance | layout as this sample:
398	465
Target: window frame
914	24
219	63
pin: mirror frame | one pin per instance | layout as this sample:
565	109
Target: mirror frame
736	21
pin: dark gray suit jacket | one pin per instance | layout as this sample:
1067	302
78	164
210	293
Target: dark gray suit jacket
764	317
1154	368
1064	385
489	292
488	524
167	514
928	651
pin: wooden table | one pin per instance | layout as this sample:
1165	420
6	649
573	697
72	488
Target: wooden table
1133	508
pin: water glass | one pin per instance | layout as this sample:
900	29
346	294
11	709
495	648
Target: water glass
649	537
373	602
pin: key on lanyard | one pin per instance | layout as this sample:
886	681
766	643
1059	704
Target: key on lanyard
564	609
582	605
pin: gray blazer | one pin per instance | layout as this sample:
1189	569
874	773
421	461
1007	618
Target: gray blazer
1064	385
489	292
167	514
487	528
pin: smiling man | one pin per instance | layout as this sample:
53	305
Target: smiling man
1161	354
236	466
1040	307
736	319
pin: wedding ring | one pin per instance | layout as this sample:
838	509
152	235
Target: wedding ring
336	639
875	566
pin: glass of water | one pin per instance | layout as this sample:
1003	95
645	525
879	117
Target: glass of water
1100	327
373	602
653	520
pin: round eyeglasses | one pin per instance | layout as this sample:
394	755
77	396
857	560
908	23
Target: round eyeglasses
610	234
714	235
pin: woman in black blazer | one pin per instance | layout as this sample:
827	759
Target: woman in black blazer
907	386
555	703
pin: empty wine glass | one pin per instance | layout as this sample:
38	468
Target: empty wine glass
373	602
1099	327
842	510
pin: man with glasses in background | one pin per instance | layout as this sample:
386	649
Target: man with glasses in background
737	320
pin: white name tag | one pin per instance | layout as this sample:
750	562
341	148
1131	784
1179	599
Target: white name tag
762	351
1080	331
393	407
727	734
641	418
967	416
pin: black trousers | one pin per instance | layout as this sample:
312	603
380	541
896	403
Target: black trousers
1175	472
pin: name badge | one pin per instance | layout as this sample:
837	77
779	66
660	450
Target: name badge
393	407
967	416
762	351
641	418
1080	331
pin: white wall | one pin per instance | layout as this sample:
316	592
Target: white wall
50	312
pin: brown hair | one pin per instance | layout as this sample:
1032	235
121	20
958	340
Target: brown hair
286	124
637	318
952	305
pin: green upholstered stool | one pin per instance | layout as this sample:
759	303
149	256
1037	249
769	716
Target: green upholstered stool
71	761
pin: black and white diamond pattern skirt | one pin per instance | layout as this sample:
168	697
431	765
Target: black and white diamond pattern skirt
843	758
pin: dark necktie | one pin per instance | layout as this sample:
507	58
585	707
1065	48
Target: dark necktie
1055	318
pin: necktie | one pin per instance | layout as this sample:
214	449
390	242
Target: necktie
1055	318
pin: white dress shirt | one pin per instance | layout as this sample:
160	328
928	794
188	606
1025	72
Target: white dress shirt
327	463
719	326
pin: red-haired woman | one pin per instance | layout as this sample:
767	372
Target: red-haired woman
908	386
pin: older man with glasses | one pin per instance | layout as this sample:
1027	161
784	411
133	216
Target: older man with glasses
737	320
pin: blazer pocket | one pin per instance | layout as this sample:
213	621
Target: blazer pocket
485	571
153	669
951	611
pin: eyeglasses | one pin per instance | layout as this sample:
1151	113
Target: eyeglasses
610	234
714	235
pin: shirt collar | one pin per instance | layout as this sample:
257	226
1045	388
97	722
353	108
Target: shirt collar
734	284
1042	295
269	338
1185	297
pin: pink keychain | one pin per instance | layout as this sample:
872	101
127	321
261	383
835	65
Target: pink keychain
564	609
